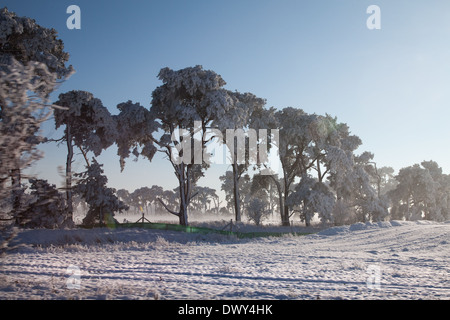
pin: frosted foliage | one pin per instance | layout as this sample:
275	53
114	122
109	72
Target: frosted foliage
91	125
102	201
135	126
144	196
322	200
350	179
21	115
237	110
47	208
257	210
377	208
326	131
189	94
313	197
264	118
194	80
293	125
423	192
339	160
186	96
25	40
295	136
311	143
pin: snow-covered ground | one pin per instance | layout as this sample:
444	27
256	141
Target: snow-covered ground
388	260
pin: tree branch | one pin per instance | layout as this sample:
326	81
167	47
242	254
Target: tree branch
84	155
170	211
190	198
53	140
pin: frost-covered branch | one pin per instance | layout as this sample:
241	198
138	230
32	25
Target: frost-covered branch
167	208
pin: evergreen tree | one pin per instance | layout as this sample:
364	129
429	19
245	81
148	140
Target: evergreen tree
423	192
102	201
186	97
88	125
47	208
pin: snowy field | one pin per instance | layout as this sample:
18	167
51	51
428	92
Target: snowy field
388	260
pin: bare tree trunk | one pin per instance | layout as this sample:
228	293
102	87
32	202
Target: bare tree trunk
101	218
16	193
182	173
285	214
307	217
271	205
183	215
184	196
285	222
69	173
237	199
281	202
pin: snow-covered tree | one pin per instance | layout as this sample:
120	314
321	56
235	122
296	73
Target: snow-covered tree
297	131
214	197
310	145
237	119
423	192
204	198
325	151
349	174
228	187
257	210
414	193
441	210
443	204
88	125
370	205
32	60
145	196
124	196
169	196
135	129
382	179
185	105
21	116
102	201
332	147
313	196
47	209
264	187
24	40
140	199
156	192
352	184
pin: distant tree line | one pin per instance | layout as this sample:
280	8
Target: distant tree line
321	175
149	201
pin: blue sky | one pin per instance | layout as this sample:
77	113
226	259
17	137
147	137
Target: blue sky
391	86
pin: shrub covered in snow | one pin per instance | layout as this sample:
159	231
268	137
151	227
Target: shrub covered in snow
46	209
257	210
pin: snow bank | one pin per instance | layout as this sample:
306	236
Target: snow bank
359	226
354	227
